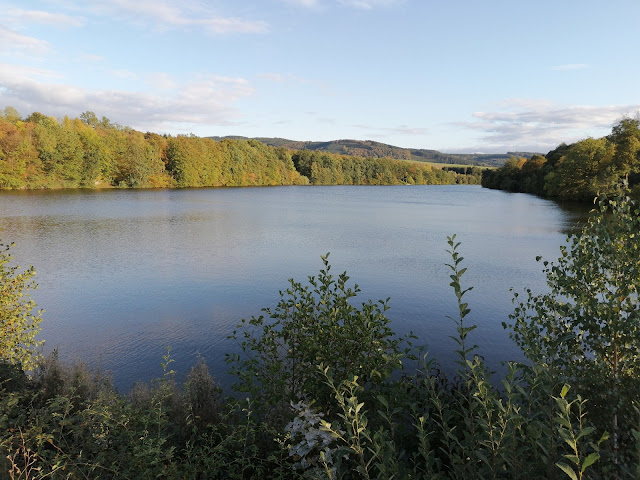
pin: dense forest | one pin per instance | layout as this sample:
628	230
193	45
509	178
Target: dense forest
86	152
371	149
578	171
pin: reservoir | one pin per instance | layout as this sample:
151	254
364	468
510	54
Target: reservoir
123	274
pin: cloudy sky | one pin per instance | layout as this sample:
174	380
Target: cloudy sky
452	75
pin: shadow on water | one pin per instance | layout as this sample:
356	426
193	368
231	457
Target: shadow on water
577	215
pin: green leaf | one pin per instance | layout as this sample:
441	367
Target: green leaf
605	437
586	431
590	460
573	458
568	470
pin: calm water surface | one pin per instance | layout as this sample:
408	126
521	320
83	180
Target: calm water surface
122	274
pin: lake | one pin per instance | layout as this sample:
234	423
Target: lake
123	274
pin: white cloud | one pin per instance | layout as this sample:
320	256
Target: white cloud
304	3
220	25
381	132
570	66
272	77
89	57
168	14
124	74
207	100
520	124
327	120
361	4
369	4
282	78
20	16
289	80
22	71
406	130
161	81
14	42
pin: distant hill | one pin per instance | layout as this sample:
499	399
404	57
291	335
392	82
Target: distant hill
368	148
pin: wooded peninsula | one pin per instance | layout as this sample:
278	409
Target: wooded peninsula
578	171
40	152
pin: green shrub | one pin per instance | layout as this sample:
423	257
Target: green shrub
19	326
315	324
585	330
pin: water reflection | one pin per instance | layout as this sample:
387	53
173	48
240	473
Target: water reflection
125	273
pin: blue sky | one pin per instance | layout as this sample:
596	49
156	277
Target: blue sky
451	75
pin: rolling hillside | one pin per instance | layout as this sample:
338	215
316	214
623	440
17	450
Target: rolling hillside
368	148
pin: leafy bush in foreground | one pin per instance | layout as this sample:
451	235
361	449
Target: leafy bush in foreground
586	329
19	326
328	397
313	325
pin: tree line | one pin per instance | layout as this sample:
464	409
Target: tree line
322	168
87	152
90	152
578	171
